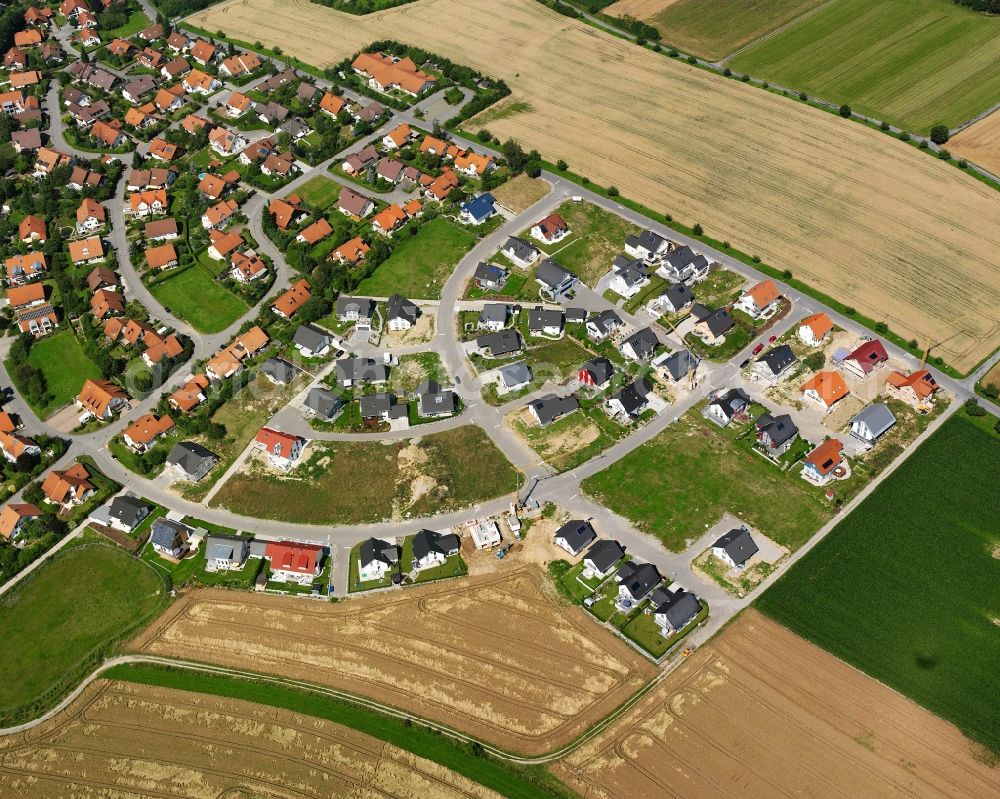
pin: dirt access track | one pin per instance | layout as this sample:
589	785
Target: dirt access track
495	657
867	219
765	713
125	740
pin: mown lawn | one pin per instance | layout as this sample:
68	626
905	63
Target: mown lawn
319	192
906	587
193	295
65	366
912	62
682	481
420	265
63	620
714	30
368	481
137	21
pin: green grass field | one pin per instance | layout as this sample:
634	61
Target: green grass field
137	21
912	62
419	266
61	621
684	479
716	29
513	781
906	587
61	358
368	481
193	295
319	192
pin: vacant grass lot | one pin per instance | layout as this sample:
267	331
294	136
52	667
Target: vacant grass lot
905	588
419	266
319	192
520	192
684	479
193	295
61	358
714	29
570	441
368	481
913	62
63	619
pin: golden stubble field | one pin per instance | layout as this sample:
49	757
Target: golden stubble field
979	143
496	656
869	220
121	740
760	712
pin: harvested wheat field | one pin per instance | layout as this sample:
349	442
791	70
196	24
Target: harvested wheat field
979	143
760	712
126	740
495	657
639	9
901	236
520	193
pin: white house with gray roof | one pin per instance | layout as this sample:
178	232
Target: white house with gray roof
872	423
735	548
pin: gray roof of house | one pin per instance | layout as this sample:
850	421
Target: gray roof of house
639	579
540	318
778	429
631	270
190	457
732	401
296	126
719	321
233	548
381	403
513	374
778	359
877	418
576	315
127	510
552	274
680	608
375	549
551	407
520	248
489	273
494	312
605	554
606	321
362	305
685	256
137	87
500	342
647	239
600	369
312	338
323	402
679	364
633	396
643	342
577	533
169	534
738	544
361	369
279	370
398	307
427	541
434	399
679	295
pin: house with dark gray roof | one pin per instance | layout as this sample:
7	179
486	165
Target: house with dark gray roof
433	549
628	276
683	264
545	321
312	341
646	245
576	316
360	370
872	423
278	371
775	434
602	325
490	276
382	405
401	313
636	580
575	536
499	344
711	325
226	552
641	345
520	252
680	609
675	297
774	363
514	376
493	317
735	548
322	404
191	461
375	558
551	407
434	401
296	127
676	366
596	372
602	557
170	538
126	513
554	279
629	402
727	405
356	309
